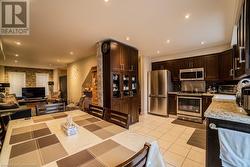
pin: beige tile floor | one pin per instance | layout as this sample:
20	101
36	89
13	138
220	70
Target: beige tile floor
172	140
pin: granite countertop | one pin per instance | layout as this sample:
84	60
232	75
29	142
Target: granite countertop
175	93
226	108
192	94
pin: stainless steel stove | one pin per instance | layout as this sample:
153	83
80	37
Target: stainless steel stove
189	100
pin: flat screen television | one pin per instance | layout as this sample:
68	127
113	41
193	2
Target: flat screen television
33	92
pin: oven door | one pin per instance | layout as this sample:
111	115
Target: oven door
190	106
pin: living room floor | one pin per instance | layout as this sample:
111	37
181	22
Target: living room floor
172	139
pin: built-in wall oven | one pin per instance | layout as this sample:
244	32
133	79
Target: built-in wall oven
189	108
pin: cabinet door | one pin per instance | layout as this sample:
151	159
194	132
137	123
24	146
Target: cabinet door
206	101
198	62
172	104
159	66
125	57
211	67
240	67
125	105
115	56
134	110
226	65
174	67
115	104
133	65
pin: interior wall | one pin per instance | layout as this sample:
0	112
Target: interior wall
145	67
30	74
76	74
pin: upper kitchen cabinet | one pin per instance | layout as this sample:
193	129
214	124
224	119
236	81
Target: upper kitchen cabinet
159	65
226	68
211	67
242	50
125	58
133	60
115	53
174	67
192	62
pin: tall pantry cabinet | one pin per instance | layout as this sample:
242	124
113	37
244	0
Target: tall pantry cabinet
120	79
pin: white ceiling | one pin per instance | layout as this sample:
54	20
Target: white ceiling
61	26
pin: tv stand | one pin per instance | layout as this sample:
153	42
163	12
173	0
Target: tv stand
32	100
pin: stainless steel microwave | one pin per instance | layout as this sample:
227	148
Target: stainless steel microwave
192	74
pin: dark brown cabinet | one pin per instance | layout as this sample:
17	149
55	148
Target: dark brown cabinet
226	68
192	62
174	67
206	101
116	56
120	79
211	67
172	104
242	49
159	65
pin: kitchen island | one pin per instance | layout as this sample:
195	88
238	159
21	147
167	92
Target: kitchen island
222	113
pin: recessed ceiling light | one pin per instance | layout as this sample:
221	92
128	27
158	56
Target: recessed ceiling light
71	53
187	16
16	55
18	43
127	38
168	41
158	52
203	42
106	0
16	61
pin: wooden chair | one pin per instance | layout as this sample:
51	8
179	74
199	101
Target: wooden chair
2	133
50	108
118	118
139	159
96	111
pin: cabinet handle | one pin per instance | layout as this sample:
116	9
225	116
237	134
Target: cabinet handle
213	126
241	49
236	64
231	72
122	66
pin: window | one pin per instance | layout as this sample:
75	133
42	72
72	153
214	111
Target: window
42	80
17	81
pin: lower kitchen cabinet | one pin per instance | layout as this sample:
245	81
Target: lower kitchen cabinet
206	101
172	104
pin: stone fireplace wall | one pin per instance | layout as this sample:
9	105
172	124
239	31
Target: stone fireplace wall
99	74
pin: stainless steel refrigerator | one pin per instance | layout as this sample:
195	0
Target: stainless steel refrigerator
159	84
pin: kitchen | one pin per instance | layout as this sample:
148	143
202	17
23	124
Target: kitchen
213	90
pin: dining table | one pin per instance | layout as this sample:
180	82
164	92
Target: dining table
41	141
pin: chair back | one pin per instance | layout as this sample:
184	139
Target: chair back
118	118
2	133
50	108
96	111
139	159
